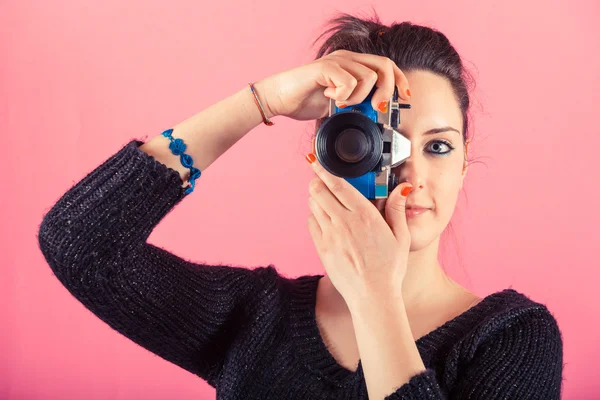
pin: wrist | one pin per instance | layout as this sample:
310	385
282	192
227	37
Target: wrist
371	298
263	88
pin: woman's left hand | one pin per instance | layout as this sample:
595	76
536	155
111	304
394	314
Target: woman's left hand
361	253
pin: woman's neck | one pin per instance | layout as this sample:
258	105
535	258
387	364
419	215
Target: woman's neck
424	277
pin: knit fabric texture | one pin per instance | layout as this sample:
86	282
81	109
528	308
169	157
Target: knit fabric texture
251	333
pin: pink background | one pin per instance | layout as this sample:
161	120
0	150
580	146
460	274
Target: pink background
79	79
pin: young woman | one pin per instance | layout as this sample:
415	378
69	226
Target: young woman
386	322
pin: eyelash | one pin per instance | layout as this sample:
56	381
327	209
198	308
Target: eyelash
442	142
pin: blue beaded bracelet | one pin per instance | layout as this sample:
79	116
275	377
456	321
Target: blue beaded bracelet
178	147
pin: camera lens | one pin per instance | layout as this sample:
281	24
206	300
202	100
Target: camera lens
351	145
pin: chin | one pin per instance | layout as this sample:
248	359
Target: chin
420	241
420	235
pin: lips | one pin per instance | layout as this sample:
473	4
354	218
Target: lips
413	211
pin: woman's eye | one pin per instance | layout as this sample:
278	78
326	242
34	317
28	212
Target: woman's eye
439	147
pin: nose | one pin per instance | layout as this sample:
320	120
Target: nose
412	170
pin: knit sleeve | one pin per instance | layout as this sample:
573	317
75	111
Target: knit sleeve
523	360
94	240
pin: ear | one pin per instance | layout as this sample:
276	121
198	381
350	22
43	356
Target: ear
464	173
465	164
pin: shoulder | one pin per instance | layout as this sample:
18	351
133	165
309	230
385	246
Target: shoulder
511	314
517	345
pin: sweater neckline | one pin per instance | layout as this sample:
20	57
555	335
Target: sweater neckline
311	350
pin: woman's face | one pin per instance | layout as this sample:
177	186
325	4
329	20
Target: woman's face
435	167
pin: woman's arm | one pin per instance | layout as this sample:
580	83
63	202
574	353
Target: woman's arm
211	132
94	239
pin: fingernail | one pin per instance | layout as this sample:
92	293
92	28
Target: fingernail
406	190
343	105
310	157
383	106
408	92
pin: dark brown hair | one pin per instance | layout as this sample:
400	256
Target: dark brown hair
411	47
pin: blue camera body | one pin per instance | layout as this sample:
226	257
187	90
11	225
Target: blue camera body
360	144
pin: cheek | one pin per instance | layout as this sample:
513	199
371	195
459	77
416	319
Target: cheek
445	190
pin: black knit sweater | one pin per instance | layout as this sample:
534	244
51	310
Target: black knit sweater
252	333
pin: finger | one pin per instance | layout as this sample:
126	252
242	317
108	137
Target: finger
381	76
339	188
326	200
401	83
339	82
320	214
385	87
378	64
366	79
395	213
315	230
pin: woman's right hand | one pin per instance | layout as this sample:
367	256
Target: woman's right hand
347	77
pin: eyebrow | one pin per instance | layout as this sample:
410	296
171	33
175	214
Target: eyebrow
435	130
440	130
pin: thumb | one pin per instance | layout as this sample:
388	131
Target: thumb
395	211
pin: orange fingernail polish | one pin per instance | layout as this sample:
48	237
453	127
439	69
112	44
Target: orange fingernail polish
406	190
310	158
383	106
343	105
408	92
